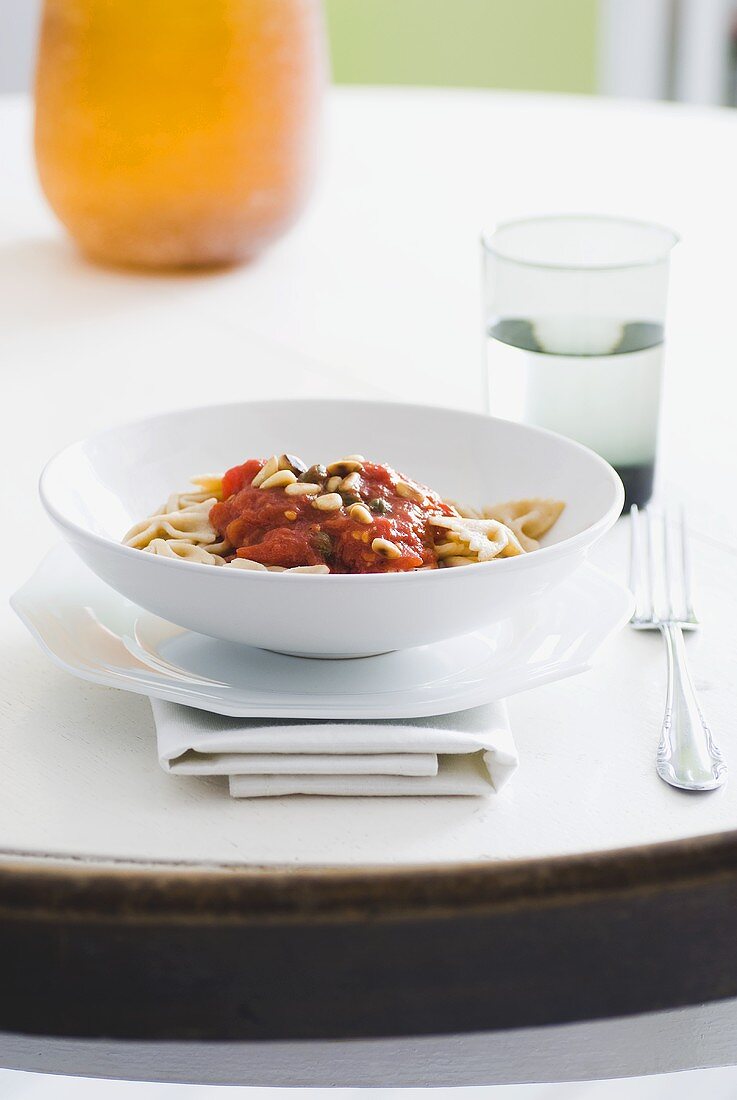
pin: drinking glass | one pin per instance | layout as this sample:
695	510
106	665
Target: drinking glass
574	313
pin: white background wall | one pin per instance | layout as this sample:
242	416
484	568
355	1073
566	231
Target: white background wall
649	49
18	21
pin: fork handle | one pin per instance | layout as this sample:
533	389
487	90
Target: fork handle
687	755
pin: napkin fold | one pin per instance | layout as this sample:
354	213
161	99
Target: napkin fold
470	752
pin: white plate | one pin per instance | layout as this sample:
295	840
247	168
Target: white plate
96	634
96	489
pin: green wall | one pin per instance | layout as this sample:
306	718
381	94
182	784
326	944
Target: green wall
548	45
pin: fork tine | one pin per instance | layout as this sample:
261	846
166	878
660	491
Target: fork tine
635	557
669	576
651	567
686	564
635	581
638	566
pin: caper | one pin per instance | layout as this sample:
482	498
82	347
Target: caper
379	507
293	463
350	498
322	543
315	474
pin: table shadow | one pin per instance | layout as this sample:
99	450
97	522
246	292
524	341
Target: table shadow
45	280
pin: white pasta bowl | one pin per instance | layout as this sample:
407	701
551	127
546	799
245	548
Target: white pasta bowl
96	489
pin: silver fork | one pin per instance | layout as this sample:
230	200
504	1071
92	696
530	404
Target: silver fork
660	578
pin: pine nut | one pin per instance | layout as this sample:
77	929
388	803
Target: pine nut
404	489
360	513
302	489
385	548
350	482
328	502
349	465
269	467
279	479
333	484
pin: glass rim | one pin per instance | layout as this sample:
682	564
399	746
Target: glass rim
489	248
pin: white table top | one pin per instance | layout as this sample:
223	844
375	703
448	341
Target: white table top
376	293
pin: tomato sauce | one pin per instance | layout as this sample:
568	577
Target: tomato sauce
274	528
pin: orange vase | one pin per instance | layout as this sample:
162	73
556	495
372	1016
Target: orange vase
178	133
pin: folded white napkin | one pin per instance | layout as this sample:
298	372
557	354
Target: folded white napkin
471	752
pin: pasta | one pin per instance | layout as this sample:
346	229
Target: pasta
244	563
478	539
187	521
182	548
529	519
351	516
